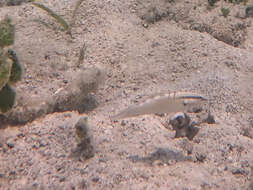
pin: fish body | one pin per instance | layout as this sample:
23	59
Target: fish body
165	103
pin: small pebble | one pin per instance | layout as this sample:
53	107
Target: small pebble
62	178
123	123
200	156
10	144
95	179
230	159
240	171
145	25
